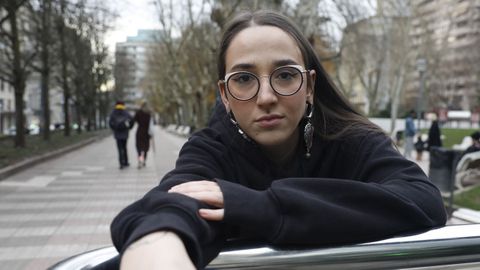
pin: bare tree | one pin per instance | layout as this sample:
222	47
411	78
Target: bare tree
87	56
16	58
41	16
184	59
185	64
363	54
63	77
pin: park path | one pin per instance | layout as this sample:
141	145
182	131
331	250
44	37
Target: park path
64	206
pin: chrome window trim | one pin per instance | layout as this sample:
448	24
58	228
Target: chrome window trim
450	247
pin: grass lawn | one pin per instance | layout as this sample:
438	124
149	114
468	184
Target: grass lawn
469	199
455	135
37	146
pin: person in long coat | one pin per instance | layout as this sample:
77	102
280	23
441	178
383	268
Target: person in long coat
434	134
143	119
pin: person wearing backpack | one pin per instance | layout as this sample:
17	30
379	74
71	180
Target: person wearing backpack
121	123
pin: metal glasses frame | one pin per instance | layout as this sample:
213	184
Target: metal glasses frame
228	76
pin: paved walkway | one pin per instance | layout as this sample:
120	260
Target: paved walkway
64	206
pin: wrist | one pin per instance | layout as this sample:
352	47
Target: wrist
158	250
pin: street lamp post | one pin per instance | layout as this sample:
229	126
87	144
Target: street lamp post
422	68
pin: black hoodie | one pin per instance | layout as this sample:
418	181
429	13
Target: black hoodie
350	190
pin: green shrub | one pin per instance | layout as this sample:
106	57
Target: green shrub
35	145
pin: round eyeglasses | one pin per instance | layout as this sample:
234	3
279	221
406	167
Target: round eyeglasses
284	80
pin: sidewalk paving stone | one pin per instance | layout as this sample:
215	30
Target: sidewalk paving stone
64	206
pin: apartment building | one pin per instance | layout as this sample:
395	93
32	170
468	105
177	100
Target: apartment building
131	63
7	107
446	35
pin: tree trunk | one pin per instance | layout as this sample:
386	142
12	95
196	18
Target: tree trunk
45	54
64	74
18	79
396	99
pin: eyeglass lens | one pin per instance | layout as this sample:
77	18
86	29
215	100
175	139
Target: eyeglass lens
245	85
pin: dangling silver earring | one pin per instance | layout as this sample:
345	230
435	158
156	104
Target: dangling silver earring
234	122
308	130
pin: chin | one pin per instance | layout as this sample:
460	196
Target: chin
270	140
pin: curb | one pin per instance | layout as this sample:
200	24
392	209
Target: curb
12	169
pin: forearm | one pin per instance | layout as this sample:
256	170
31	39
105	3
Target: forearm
158	250
161	211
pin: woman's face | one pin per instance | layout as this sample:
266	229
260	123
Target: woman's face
268	118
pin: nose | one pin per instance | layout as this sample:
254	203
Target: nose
266	95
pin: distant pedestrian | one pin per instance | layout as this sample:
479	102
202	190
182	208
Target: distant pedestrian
144	122
420	146
399	137
410	132
121	122
434	134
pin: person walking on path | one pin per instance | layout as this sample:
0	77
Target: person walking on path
121	123
420	146
410	132
144	122
434	134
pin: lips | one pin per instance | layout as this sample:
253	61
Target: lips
269	121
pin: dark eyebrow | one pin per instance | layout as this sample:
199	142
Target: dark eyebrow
285	62
242	66
277	63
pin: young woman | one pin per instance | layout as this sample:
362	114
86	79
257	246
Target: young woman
286	161
142	137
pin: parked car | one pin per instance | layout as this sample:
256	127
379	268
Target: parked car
451	247
32	129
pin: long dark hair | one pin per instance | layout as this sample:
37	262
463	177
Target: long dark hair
334	117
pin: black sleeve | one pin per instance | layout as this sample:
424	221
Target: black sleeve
385	195
159	210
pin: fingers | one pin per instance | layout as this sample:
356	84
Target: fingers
192	186
212	214
206	191
208	197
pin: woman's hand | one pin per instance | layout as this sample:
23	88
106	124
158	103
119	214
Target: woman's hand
158	250
206	191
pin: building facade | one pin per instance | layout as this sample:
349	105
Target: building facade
7	107
131	63
446	35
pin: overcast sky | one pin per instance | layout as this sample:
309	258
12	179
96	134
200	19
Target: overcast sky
141	14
